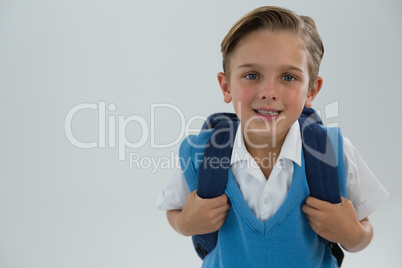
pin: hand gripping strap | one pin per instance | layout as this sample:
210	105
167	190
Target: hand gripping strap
213	170
321	165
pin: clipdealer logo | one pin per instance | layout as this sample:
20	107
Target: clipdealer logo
114	135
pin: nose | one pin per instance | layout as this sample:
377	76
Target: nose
269	90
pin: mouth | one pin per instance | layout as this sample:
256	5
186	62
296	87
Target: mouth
267	114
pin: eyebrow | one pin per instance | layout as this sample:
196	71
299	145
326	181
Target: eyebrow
247	65
287	67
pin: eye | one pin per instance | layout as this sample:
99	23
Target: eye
288	78
251	76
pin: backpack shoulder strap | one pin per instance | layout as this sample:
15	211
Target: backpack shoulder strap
213	171
214	167
321	153
190	154
320	159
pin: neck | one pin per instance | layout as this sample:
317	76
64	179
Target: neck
258	142
265	151
263	146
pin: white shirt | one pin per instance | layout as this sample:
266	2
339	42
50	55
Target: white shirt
264	197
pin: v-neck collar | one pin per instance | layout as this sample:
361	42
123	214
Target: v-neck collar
265	228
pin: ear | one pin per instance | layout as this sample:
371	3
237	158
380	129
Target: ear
314	91
223	83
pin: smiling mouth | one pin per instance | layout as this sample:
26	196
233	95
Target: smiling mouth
267	115
264	112
267	112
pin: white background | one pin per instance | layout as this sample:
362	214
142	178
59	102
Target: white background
62	206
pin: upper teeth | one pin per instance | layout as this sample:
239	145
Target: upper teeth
267	112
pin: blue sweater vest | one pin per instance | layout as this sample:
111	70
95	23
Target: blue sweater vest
285	240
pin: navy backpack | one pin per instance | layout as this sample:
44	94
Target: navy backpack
322	178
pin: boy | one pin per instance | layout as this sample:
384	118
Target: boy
271	60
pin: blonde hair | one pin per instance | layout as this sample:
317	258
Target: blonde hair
276	19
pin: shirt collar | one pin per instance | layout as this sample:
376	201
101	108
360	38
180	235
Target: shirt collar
239	152
291	148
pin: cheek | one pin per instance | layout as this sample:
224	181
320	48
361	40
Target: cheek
242	99
294	98
244	95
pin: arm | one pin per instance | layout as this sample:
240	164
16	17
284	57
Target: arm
338	223
366	239
199	216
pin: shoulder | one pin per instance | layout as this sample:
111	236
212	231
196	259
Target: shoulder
192	149
333	131
194	143
364	189
352	157
347	144
191	152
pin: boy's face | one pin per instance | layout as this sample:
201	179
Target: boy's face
268	83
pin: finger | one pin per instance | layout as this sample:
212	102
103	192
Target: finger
316	203
310	211
194	193
224	198
219	201
344	200
223	214
222	217
222	209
